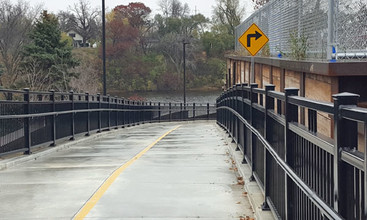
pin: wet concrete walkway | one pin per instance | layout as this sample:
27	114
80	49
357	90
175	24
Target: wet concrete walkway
186	175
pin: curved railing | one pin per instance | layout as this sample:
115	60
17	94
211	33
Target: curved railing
32	119
303	174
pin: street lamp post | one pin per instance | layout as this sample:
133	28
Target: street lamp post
184	70
104	47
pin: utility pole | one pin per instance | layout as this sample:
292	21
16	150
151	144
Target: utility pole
104	47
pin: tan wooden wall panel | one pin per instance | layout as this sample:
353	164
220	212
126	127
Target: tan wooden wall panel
276	79
319	88
266	74
292	79
247	72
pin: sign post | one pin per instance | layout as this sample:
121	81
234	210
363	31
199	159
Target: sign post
253	39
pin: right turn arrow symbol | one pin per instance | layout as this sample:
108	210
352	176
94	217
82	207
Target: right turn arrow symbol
257	35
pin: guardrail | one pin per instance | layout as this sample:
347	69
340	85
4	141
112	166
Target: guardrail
31	119
302	174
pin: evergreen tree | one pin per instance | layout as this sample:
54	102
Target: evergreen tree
48	60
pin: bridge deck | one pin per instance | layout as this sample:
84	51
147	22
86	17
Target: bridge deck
187	174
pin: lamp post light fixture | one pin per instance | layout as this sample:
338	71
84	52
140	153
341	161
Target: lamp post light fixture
184	70
104	47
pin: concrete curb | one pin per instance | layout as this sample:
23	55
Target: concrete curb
17	160
254	192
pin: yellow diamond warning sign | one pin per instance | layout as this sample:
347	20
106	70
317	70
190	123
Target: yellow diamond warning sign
253	39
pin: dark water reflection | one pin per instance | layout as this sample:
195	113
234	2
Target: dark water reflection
174	96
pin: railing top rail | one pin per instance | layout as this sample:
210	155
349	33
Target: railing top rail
277	95
93	98
259	91
39	93
12	91
354	113
312	104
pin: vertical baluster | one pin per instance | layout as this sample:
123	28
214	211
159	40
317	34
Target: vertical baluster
116	101
159	112
88	113
99	98
207	111
27	121
71	99
269	105
193	111
109	111
53	130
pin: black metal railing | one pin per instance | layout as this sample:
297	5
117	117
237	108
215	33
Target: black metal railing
31	119
302	173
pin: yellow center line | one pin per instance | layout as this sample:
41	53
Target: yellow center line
103	188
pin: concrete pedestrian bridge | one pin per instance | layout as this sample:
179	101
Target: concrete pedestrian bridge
177	170
75	156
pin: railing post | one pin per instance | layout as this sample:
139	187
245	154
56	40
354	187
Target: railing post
291	115
139	107
109	111
99	112
242	113
232	116
142	112
207	111
193	111
253	99
53	131
88	113
159	112
71	98
364	214
269	105
117	112
123	113
181	111
151	112
345	136
27	122
128	113
235	119
137	113
229	114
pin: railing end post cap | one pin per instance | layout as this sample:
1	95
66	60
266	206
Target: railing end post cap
291	91
346	98
269	86
346	95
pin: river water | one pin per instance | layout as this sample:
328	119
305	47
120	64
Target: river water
174	96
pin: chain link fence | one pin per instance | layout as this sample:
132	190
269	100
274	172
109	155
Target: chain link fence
334	29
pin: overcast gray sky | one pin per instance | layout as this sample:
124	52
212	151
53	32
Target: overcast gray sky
204	7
